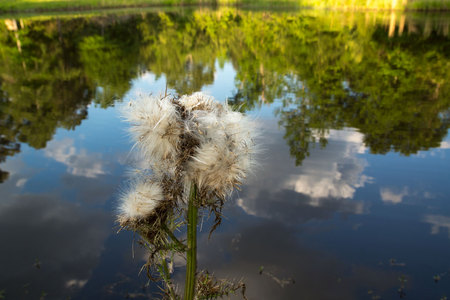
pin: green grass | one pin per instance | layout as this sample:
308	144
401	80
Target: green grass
380	4
72	5
354	4
52	5
14	6
429	5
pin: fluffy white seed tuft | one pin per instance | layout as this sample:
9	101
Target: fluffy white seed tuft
198	101
190	139
141	200
155	128
226	152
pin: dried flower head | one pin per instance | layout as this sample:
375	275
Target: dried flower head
140	201
198	101
192	139
155	129
226	151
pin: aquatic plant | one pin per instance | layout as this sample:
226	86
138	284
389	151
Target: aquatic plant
194	152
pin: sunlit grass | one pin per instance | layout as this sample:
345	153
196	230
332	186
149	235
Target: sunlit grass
49	5
38	15
40	5
429	5
380	4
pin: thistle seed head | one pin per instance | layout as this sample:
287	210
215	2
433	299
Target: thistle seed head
140	201
155	129
183	140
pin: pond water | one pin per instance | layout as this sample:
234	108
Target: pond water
351	198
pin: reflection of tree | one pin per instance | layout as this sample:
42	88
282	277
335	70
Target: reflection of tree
329	72
387	89
179	48
8	146
59	68
42	84
110	58
405	100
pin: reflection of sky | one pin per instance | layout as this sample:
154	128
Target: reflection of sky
221	88
438	222
56	210
391	196
309	273
341	220
331	224
53	244
78	162
325	183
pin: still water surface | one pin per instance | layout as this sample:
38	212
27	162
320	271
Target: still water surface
351	198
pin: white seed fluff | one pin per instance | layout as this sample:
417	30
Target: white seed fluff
198	101
166	129
143	197
226	152
155	128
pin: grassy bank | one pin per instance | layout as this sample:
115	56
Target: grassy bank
71	5
380	4
59	5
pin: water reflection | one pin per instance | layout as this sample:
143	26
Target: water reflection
331	71
339	86
326	183
79	163
438	222
315	274
51	245
393	196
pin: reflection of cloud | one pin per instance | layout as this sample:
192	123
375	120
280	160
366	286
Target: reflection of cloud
336	174
76	283
428	195
445	145
388	195
79	164
18	171
291	207
327	180
438	221
21	182
148	78
65	239
354	138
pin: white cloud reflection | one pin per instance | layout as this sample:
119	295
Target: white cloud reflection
327	179
437	222
389	195
445	145
21	182
337	174
79	163
77	283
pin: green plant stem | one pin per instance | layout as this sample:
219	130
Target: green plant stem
191	266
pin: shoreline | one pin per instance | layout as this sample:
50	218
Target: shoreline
80	7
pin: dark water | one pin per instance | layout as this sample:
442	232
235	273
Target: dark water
352	196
